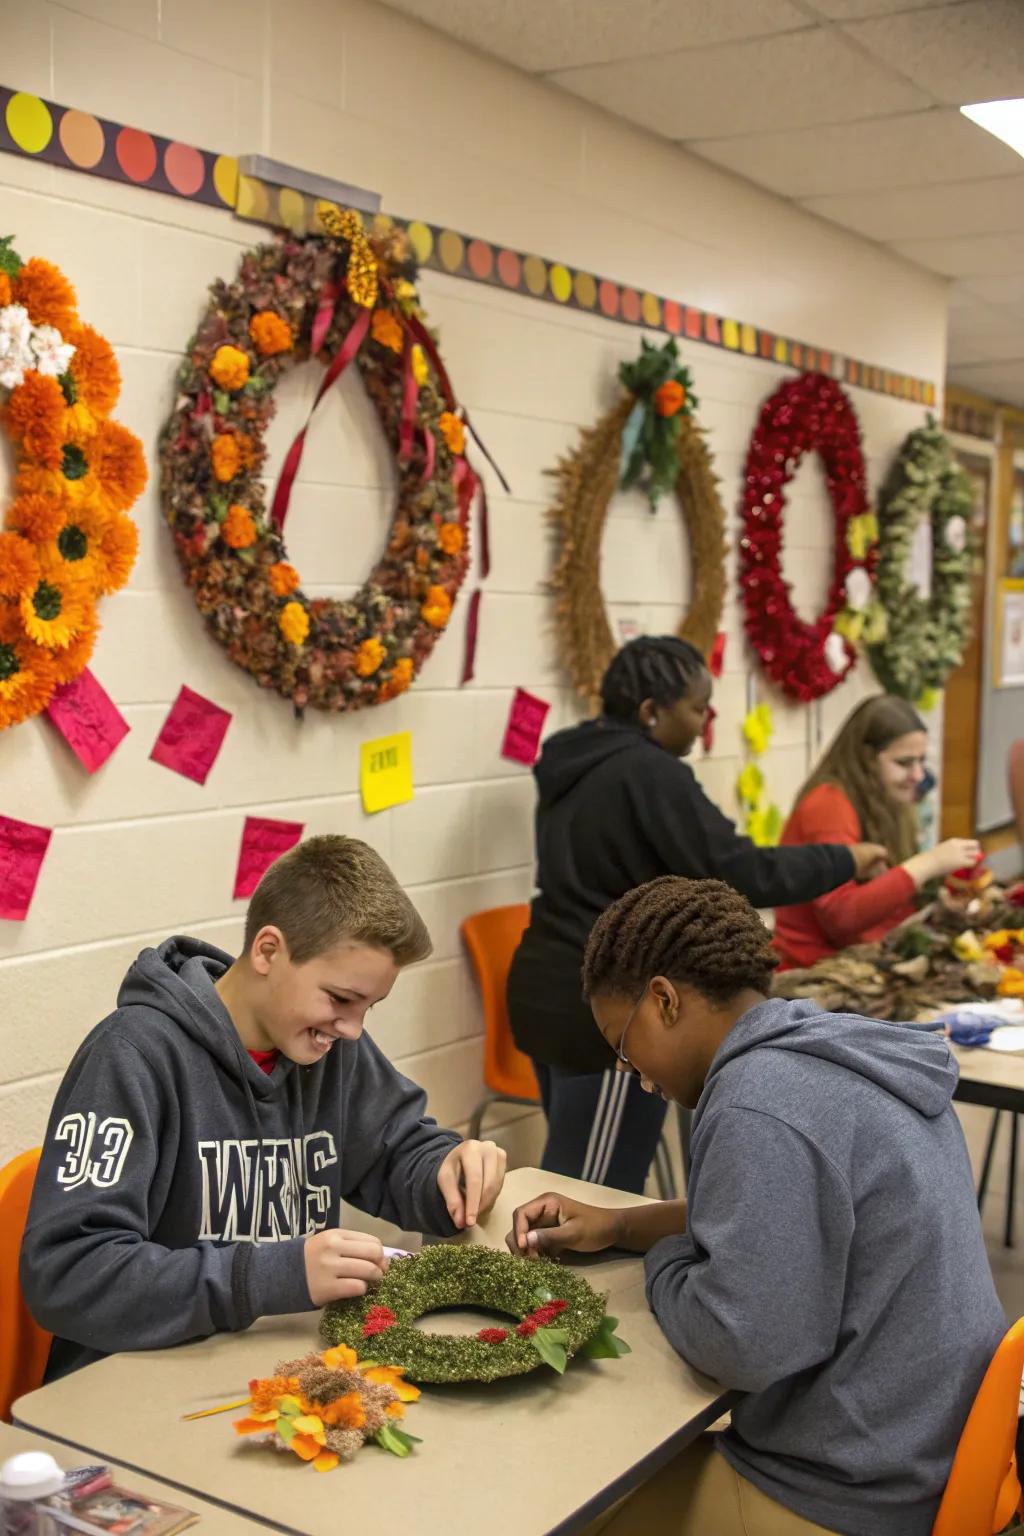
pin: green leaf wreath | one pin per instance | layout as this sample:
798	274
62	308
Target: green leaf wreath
925	637
664	394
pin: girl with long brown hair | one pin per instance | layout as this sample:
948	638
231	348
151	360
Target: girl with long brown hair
865	789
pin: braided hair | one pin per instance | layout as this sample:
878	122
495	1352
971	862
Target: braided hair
659	667
700	933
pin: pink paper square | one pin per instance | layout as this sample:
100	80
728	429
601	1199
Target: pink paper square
191	736
88	719
263	841
525	723
22	849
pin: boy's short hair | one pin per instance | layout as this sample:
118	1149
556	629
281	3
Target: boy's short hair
329	889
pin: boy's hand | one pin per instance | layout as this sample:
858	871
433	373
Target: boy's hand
470	1180
552	1224
341	1264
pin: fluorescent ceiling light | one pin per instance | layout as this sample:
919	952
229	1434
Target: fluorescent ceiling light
1004	119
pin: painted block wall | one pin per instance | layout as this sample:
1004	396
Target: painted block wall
350	89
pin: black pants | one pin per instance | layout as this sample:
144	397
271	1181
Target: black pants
602	1127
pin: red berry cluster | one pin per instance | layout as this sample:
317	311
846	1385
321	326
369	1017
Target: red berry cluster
803	415
492	1335
377	1320
540	1317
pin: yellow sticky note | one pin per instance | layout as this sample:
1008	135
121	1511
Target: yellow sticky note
385	771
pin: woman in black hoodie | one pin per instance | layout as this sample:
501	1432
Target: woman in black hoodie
616	809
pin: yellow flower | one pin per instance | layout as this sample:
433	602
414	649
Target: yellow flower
758	727
437	608
451	538
369	657
420	366
55	611
340	1358
849	624
750	785
230	368
293	622
967	947
79	424
284	578
453	432
861	533
392	1376
386	330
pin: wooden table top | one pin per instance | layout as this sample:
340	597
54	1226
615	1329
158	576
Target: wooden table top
542	1453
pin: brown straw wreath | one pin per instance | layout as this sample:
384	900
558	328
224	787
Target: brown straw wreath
588	478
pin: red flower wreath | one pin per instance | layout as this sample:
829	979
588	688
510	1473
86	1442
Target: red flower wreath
804	414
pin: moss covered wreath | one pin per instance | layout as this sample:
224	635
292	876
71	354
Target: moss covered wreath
341	298
925	637
649	438
557	1315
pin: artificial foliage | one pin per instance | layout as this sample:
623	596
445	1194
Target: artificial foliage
587	480
925	637
344	297
554	1314
67	540
663	397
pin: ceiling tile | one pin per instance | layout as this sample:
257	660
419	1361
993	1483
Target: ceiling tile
913	149
789	81
1007	288
540	36
908	213
960	53
1000	381
1004	345
971	256
847	10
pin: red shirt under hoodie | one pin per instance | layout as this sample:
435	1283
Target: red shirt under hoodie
851	914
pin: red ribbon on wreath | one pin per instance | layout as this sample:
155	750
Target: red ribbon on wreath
811	413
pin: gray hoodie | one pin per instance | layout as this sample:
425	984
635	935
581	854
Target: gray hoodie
178	1181
833	1267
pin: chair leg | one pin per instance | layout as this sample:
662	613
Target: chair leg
1011	1191
986	1166
663	1171
685	1119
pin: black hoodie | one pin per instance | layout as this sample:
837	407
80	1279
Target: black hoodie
178	1181
614	811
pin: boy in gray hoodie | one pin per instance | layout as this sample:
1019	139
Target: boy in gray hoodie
208	1130
829	1261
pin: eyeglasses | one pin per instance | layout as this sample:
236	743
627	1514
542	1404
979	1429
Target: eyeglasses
620	1048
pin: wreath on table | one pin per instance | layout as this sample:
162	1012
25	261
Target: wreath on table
807	660
925	637
648	439
556	1315
340	298
66	541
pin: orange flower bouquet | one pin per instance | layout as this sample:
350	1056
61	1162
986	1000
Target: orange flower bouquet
663	394
324	1408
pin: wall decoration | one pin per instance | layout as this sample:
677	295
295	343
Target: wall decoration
37	129
762	820
191	737
588	478
1008	651
808	414
264	839
88	719
66	541
523	732
924	637
385	772
341	299
22	850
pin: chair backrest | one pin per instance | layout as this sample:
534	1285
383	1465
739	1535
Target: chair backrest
492	938
983	1490
24	1346
1015	772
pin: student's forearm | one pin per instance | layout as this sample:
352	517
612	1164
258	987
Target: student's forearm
639	1227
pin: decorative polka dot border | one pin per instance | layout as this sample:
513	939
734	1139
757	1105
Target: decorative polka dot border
78	141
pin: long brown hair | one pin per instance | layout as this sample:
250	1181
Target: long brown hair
851	762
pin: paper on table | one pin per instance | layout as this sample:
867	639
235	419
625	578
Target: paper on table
385	771
263	841
22	850
88	719
525	723
191	736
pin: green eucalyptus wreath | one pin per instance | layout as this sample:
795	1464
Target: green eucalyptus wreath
925	637
557	1315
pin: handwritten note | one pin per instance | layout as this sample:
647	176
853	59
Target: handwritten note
263	841
525	723
22	850
385	771
192	736
88	719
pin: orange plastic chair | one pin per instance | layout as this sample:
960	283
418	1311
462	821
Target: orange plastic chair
492	939
983	1492
24	1346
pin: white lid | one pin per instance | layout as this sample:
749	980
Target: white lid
30	1475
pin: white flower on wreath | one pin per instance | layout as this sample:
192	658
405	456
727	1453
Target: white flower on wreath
858	589
53	353
16	355
835	653
955	535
